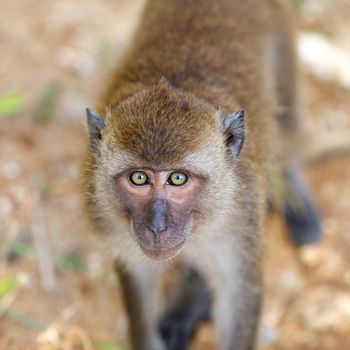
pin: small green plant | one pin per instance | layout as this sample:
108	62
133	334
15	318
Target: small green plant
10	105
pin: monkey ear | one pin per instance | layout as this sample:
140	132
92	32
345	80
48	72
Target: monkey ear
234	130
95	124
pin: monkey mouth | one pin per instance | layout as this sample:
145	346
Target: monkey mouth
162	253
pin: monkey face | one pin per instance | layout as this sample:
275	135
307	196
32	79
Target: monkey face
159	160
161	204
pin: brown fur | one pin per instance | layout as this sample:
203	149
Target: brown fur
190	64
206	47
174	114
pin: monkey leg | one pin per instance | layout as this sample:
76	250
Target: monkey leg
302	216
139	287
190	306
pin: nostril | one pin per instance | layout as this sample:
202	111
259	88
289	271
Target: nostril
158	228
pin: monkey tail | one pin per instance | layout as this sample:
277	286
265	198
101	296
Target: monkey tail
300	211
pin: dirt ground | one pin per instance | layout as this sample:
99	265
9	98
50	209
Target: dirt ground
56	289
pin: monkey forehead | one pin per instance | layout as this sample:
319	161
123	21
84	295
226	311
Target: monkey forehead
206	161
162	125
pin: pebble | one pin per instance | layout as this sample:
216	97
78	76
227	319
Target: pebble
49	336
325	309
11	169
291	281
268	336
6	206
312	256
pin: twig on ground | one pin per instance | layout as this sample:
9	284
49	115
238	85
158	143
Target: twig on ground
41	243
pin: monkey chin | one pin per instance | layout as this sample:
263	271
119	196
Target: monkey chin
163	254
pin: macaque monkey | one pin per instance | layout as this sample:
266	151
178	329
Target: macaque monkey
196	133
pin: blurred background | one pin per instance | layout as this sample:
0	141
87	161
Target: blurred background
56	290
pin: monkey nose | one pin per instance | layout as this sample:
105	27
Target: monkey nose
158	225
158	220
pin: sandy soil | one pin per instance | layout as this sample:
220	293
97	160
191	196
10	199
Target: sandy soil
55	55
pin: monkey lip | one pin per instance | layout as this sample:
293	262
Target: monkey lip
162	254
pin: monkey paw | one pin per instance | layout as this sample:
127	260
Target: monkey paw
176	333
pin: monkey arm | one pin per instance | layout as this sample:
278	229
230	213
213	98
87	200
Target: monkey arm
232	269
237	309
139	287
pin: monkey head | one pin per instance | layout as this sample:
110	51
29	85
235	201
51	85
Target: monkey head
158	160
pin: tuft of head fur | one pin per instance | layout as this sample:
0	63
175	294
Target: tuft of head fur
157	125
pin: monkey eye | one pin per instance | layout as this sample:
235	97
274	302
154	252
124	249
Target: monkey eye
139	178
177	179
